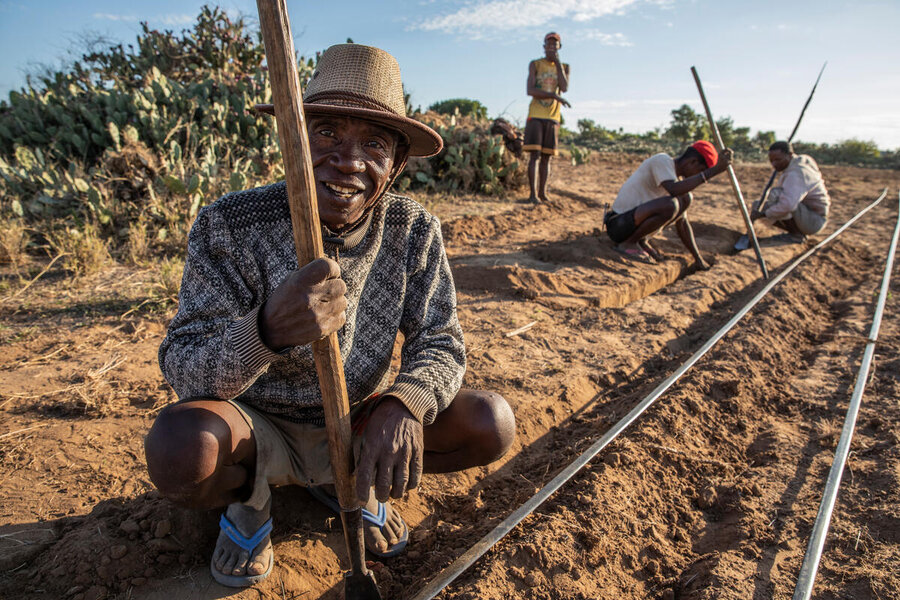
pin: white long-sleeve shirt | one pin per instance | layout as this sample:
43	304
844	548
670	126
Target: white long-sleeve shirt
800	182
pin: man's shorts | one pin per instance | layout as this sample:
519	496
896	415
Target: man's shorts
541	135
620	227
807	221
289	453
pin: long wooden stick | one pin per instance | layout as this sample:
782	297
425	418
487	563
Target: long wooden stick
301	188
762	197
732	177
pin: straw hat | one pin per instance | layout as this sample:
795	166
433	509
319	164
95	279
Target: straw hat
359	81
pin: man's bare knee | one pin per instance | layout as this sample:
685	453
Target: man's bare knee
670	209
184	451
494	426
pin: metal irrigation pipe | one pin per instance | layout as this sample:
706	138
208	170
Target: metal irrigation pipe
456	568
820	528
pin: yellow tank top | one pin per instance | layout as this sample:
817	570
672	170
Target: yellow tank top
545	108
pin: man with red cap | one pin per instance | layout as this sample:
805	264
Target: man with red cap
548	77
657	194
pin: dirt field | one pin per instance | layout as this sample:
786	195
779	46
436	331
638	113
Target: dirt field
711	494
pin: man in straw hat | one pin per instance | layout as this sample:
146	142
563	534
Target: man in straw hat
238	352
548	77
657	194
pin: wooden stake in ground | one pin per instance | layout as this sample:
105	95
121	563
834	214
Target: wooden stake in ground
734	182
301	189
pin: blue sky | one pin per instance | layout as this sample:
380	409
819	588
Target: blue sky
630	59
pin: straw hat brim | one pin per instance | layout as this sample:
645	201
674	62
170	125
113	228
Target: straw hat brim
423	140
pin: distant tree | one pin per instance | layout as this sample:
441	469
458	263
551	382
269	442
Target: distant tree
725	126
466	107
685	125
763	139
857	151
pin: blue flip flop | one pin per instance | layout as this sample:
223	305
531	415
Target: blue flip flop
377	520
248	544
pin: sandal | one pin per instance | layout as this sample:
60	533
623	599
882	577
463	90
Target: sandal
248	544
637	254
378	520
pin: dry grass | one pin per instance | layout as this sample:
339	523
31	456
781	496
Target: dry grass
86	252
14	239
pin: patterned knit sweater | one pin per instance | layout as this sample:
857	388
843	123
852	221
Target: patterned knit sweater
398	279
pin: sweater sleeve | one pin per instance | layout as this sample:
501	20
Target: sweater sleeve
212	348
433	358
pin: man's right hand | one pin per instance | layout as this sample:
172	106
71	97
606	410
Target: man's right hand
307	306
563	101
726	157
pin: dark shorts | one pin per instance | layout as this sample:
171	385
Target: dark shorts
541	135
619	227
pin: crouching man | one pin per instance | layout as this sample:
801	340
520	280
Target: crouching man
238	351
798	202
658	194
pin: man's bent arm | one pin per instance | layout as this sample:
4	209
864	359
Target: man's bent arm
786	197
433	359
212	348
532	88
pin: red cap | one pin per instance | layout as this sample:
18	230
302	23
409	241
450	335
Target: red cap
707	151
552	36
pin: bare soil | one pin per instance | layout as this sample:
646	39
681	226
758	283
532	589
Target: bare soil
711	494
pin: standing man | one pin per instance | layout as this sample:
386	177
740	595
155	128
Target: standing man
547	79
657	194
799	201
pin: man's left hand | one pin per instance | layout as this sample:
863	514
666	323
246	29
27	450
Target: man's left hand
756	214
392	452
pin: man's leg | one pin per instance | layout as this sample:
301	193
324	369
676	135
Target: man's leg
650	217
476	429
532	176
202	454
544	176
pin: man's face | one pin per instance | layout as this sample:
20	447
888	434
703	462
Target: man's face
692	166
352	162
780	160
551	47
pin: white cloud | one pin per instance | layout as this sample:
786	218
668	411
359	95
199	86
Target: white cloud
483	16
169	19
112	17
606	39
174	19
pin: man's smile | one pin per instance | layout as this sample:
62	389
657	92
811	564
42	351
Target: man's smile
342	191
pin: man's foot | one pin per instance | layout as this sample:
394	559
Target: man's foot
237	566
385	540
533	200
543	198
634	252
653	252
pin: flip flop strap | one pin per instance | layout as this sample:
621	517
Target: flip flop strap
377	520
238	538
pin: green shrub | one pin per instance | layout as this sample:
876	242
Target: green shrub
460	107
472	160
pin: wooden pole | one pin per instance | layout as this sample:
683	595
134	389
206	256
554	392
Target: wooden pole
762	198
733	178
301	189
